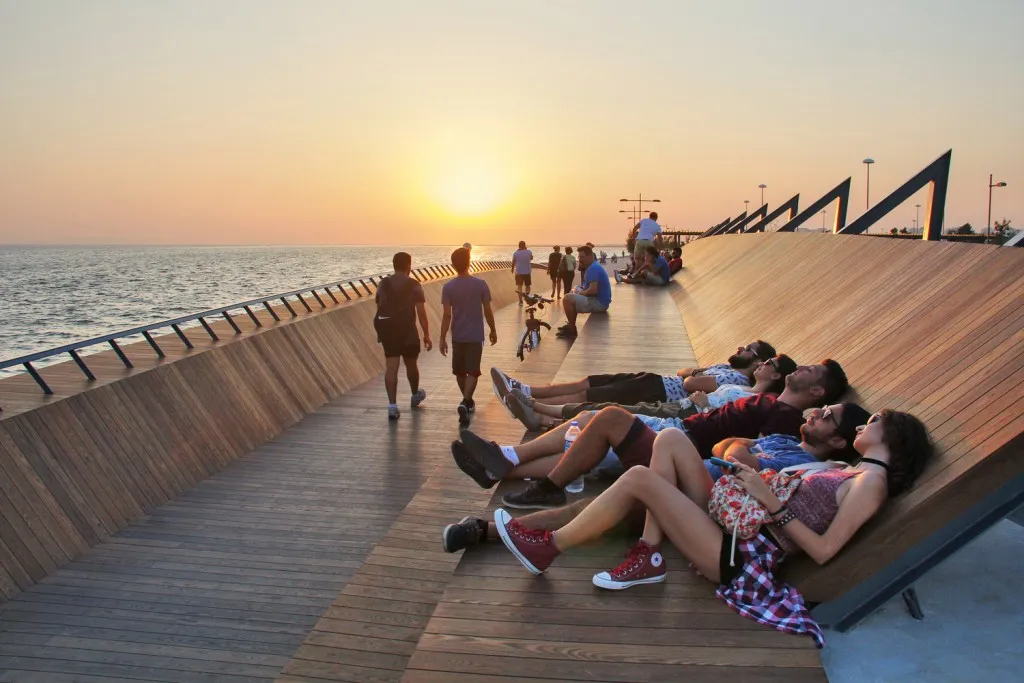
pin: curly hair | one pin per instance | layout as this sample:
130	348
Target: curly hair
910	449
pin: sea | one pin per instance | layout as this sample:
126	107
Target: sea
51	296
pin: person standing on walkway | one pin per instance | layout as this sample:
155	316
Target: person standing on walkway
554	264
522	263
467	301
567	270
400	302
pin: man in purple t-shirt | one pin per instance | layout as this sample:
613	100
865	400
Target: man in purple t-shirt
467	301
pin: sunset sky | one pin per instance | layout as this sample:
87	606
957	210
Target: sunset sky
335	122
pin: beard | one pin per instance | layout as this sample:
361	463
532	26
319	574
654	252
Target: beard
811	439
737	362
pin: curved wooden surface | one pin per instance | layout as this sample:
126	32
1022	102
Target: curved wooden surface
77	467
932	328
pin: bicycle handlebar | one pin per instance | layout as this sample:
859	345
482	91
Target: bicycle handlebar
532	299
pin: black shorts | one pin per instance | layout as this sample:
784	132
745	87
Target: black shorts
524	279
406	348
626	387
466	358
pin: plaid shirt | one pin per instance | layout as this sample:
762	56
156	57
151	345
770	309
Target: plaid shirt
755	593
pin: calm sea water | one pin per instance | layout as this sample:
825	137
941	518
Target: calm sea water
51	296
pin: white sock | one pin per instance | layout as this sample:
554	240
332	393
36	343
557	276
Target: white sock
510	454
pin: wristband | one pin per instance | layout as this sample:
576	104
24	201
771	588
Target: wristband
785	519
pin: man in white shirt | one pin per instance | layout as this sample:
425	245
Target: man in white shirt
648	234
522	262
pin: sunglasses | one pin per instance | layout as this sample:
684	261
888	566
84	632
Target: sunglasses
874	418
827	413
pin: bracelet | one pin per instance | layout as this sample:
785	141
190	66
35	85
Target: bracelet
785	519
778	512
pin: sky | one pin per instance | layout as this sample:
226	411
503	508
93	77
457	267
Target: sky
409	122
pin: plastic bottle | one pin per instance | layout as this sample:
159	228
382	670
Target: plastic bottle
575	486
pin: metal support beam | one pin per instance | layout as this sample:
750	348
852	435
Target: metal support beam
152	343
792	205
120	354
82	366
840	192
935	174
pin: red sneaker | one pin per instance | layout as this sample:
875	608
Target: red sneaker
644	564
535	548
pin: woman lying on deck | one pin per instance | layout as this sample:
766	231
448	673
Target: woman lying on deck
826	509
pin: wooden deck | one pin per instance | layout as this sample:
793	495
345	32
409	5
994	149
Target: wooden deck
317	558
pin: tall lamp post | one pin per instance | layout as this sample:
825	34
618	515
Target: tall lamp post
917	217
867	191
988	228
823	220
746	205
762	186
640	201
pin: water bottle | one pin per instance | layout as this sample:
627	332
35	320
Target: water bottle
575	486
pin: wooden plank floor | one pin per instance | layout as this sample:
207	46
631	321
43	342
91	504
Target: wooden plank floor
224	582
496	622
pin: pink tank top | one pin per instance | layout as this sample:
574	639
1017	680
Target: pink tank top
814	503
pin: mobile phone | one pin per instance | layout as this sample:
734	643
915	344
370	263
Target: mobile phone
725	464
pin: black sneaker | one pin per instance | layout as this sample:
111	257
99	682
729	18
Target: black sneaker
470	406
487	454
467	532
470	466
463	414
533	497
567	333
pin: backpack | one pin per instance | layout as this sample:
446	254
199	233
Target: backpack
396	311
568	264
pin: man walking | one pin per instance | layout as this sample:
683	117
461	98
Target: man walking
554	264
522	262
399	303
467	301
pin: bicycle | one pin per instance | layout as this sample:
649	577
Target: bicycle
531	335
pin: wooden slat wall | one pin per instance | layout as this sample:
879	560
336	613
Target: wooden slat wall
932	328
80	467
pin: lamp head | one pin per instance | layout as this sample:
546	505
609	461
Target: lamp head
1000	184
762	186
869	160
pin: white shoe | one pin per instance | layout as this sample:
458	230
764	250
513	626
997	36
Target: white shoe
393	413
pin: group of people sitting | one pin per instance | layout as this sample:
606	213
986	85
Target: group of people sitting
808	483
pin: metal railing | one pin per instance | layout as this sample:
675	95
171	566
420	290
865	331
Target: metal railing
294	302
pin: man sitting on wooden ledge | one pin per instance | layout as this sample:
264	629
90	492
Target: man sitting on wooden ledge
593	295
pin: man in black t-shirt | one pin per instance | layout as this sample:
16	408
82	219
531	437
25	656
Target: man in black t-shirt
400	302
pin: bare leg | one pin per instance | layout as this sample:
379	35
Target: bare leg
469	386
391	378
689	528
677	461
569	307
461	380
606	430
412	373
546	519
535	469
546	391
551	443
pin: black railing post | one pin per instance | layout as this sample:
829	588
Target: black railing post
288	306
318	299
304	304
81	365
152	342
231	321
255	320
120	354
181	335
39	379
331	294
209	330
270	309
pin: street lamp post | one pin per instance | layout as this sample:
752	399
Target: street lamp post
640	202
867	191
823	220
988	228
746	205
762	186
917	217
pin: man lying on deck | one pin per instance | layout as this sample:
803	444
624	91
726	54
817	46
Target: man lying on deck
828	434
818	518
769	378
632	439
639	387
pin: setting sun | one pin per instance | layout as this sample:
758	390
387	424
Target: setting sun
469	188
